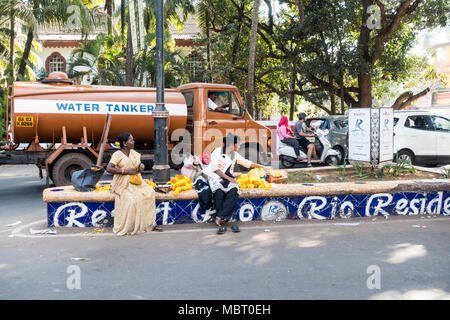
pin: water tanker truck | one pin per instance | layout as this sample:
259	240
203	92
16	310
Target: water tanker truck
61	126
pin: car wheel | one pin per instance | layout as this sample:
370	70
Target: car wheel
331	160
405	155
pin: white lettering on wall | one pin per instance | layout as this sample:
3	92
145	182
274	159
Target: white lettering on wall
246	212
315	204
273	210
165	208
380	203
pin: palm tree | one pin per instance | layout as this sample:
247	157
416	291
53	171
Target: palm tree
32	13
203	15
103	57
175	11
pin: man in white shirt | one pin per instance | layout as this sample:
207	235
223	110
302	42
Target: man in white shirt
211	103
221	180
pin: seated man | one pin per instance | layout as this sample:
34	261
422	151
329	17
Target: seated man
300	132
221	180
212	104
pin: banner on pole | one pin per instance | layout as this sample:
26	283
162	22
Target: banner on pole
371	135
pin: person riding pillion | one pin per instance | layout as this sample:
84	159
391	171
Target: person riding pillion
301	131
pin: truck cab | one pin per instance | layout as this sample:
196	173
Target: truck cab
214	110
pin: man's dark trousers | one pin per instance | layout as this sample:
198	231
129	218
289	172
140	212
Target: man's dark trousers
224	203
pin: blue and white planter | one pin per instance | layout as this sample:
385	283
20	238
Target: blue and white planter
101	214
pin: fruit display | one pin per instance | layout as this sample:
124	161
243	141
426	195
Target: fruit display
150	183
251	181
277	173
257	172
276	176
180	183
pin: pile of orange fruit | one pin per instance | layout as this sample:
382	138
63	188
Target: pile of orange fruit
180	183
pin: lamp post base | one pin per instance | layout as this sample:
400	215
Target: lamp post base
161	174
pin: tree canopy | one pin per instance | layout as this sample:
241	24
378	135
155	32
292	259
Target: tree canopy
333	54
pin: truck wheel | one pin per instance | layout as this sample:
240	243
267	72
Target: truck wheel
68	164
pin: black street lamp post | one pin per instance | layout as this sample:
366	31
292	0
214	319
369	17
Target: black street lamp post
161	168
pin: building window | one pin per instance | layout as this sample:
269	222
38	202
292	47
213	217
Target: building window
55	63
195	68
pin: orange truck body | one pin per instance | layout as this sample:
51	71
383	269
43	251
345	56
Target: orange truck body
40	111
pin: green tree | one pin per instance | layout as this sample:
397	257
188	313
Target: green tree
327	52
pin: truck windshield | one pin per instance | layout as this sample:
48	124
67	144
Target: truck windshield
189	97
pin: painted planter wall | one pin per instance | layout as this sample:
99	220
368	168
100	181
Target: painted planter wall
100	214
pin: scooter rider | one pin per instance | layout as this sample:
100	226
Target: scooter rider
300	132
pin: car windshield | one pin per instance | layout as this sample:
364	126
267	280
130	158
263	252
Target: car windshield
317	123
341	123
440	123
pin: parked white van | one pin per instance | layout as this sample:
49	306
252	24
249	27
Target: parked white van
422	137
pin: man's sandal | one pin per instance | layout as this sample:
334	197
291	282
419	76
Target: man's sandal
221	230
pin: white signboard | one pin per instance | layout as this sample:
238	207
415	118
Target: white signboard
386	134
359	134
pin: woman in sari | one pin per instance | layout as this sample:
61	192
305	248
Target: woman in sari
134	206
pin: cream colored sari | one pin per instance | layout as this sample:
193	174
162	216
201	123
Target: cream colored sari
134	206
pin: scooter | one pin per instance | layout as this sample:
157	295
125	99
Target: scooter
324	151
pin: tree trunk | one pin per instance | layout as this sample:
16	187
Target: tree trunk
407	98
364	79
109	10
332	97
26	53
365	91
292	94
11	39
301	11
251	59
129	60
208	47
234	52
122	18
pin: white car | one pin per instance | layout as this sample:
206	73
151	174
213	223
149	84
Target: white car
422	137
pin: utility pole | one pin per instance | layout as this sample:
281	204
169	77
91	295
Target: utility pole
161	168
